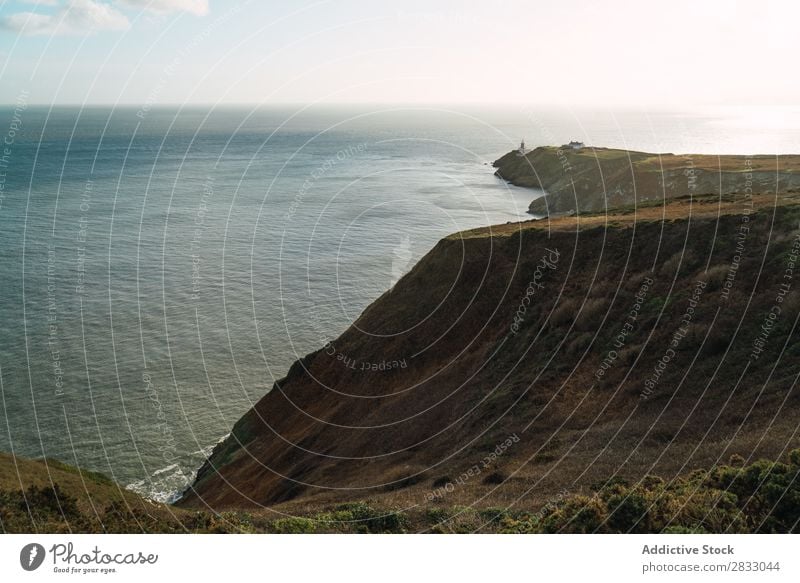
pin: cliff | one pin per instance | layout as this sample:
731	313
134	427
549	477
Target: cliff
531	377
597	179
519	361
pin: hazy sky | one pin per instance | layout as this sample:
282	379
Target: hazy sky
593	53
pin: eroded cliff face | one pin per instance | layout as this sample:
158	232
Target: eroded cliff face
598	179
568	338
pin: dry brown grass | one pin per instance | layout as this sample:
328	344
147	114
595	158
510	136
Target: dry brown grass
705	207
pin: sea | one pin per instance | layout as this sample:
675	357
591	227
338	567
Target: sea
162	267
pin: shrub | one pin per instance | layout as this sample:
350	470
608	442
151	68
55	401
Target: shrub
442	481
496	477
628	512
761	497
294	525
576	514
493	514
437	515
363	518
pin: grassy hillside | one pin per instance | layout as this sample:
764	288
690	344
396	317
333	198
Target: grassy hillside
761	497
52	497
596	179
584	391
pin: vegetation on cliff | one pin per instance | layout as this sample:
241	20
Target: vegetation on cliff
597	179
759	497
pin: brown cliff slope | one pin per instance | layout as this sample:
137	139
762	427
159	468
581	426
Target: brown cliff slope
617	345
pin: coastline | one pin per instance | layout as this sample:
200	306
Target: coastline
293	489
595	179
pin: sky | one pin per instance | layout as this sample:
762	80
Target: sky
612	53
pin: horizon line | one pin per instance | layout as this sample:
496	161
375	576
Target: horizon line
409	104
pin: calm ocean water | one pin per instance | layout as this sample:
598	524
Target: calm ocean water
161	269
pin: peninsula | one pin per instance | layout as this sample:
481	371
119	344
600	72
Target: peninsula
582	179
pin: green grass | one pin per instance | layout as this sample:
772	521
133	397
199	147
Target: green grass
762	497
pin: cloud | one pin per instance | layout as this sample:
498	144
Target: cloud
80	17
161	7
76	17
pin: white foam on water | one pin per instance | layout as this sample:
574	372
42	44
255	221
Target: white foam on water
168	468
167	484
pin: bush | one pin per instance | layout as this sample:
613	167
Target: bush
437	515
294	525
628	512
761	497
494	478
442	481
363	518
45	509
576	514
493	514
